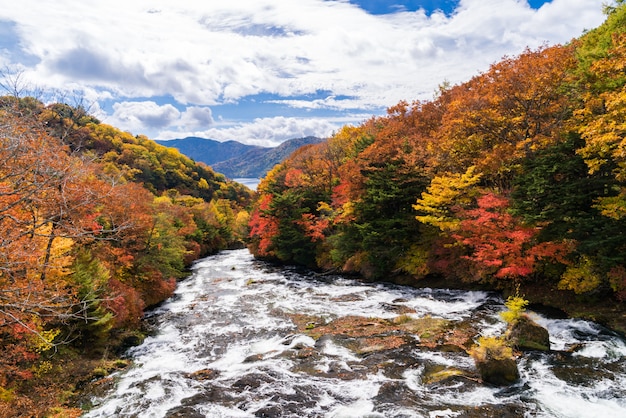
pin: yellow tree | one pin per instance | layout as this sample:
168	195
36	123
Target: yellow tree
603	123
445	195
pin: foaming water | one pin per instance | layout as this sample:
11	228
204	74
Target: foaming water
227	346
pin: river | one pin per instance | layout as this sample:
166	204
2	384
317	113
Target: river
250	182
227	345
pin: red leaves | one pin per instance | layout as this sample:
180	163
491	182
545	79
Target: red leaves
263	227
294	178
125	303
314	226
500	244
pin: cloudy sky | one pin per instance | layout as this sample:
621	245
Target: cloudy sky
263	71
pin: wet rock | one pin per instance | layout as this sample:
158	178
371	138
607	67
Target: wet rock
93	391
495	362
253	358
459	337
450	348
252	381
393	364
210	394
580	371
269	412
343	371
526	334
397	308
368	345
513	390
498	371
306	352
321	341
183	412
335	367
303	397
292	404
395	393
352	297
440	374
204	374
499	411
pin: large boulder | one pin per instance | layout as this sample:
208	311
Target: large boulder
498	371
495	361
525	334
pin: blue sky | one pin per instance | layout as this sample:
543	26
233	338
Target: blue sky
263	71
379	7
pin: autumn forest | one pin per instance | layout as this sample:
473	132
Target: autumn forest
514	180
97	226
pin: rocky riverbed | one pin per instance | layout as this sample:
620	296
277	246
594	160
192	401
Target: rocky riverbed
242	338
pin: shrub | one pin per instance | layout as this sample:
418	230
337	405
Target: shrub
516	307
491	348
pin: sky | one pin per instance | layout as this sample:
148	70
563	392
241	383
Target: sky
264	71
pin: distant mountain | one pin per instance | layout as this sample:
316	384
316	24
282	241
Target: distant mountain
234	159
257	162
209	151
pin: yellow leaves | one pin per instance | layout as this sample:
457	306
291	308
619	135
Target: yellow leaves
324	208
580	277
346	213
346	139
516	307
163	200
266	182
491	348
241	229
613	207
603	119
444	192
60	256
43	368
415	261
43	340
203	184
6	395
47	255
604	133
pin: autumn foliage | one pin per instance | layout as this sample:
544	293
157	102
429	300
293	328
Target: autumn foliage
96	226
516	175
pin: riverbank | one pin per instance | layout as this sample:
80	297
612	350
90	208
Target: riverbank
245	338
550	300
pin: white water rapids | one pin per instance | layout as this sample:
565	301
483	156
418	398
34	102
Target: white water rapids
225	347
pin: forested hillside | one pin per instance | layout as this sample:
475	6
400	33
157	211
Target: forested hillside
209	151
97	225
256	163
234	159
513	178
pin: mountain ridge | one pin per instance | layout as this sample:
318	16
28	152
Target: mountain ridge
235	159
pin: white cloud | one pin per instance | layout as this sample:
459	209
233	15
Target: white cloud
141	116
195	117
269	132
148	116
207	53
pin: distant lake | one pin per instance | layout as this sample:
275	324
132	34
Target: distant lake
251	182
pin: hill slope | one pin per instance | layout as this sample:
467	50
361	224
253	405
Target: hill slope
234	159
209	151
